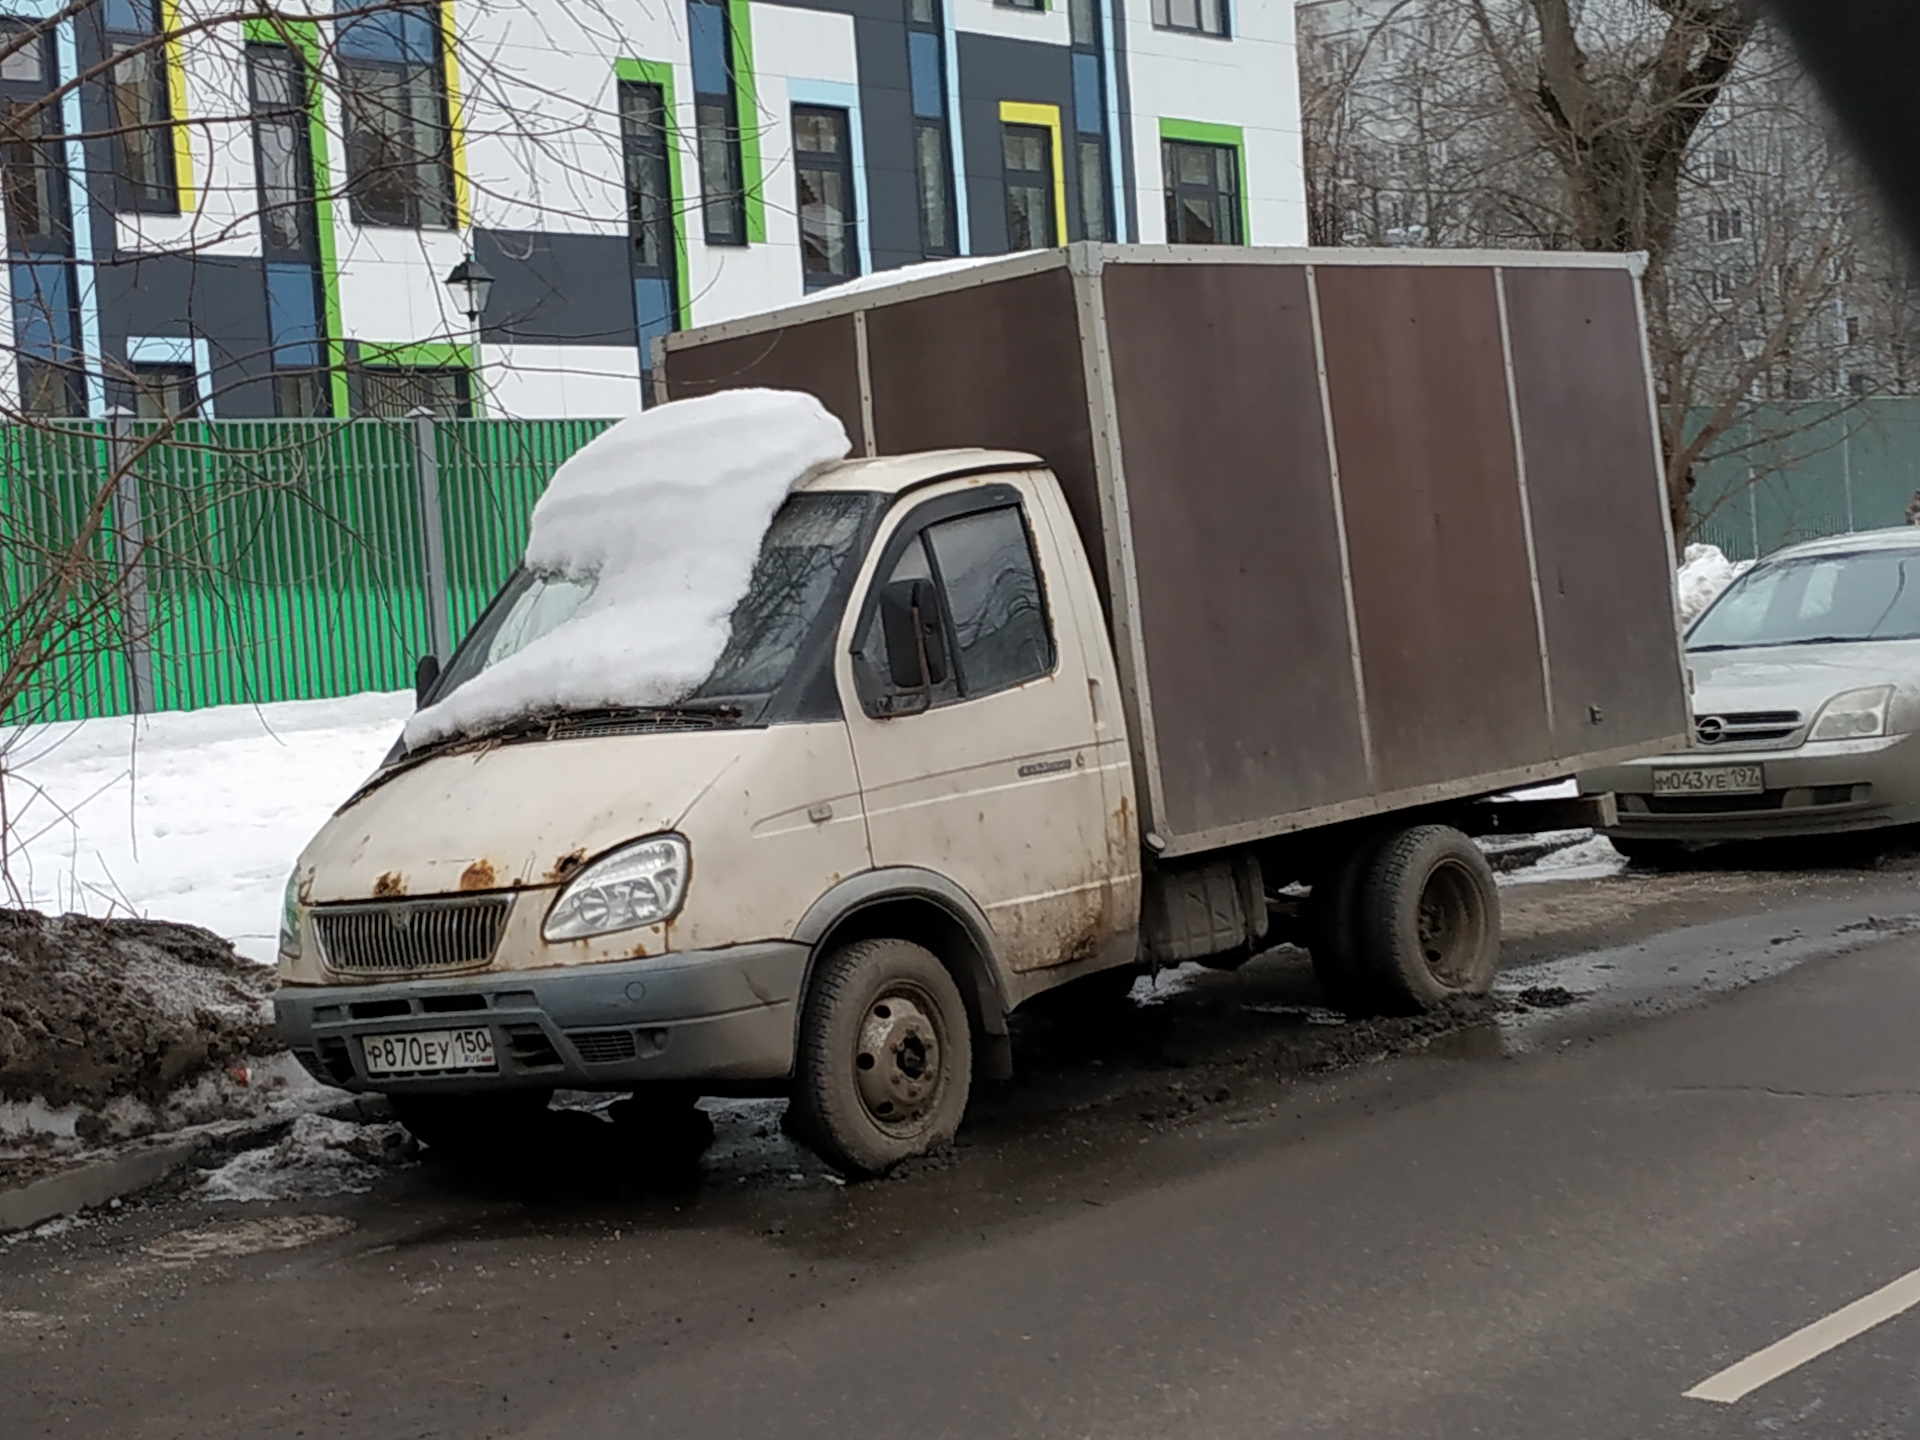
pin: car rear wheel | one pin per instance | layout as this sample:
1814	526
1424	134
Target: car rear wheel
885	1059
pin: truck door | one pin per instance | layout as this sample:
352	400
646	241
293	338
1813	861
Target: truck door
990	774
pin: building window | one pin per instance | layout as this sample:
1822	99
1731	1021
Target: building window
1725	225
142	109
393	93
1203	193
280	92
33	182
823	170
283	163
716	111
644	137
392	392
932	153
1090	122
164	392
1200	17
1021	4
1027	158
35	192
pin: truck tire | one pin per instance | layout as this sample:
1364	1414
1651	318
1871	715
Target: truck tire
1332	929
468	1125
1429	921
885	1057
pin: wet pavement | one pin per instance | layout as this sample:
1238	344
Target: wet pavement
1183	1201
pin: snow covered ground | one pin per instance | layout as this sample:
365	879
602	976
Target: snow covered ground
193	816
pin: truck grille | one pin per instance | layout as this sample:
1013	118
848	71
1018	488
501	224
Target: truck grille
393	936
1746	727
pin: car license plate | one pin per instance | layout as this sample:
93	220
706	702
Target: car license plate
418	1052
1709	780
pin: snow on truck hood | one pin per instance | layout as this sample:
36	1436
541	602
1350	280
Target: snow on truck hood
665	512
511	815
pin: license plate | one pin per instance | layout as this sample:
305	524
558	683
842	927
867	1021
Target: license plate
427	1051
1709	780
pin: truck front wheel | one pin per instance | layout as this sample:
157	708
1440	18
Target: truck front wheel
885	1057
1429	920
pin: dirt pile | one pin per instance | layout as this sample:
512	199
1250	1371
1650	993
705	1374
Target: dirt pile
95	1010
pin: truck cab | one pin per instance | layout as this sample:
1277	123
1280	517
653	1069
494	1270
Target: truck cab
902	804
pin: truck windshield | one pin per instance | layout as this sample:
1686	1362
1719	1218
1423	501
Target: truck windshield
804	555
1822	599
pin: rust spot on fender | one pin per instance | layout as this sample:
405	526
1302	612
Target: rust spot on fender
477	876
639	953
566	865
390	884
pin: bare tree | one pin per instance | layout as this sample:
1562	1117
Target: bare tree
1676	128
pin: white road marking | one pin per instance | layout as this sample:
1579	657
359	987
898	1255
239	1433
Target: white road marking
1810	1342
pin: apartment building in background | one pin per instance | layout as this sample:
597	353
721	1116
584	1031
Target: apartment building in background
254	217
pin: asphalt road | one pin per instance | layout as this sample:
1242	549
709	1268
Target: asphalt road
1235	1220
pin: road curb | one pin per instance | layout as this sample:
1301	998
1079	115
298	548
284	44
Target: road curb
113	1177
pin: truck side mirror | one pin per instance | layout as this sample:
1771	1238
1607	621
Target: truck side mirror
426	672
916	642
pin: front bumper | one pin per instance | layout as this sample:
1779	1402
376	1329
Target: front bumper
1814	789
718	1014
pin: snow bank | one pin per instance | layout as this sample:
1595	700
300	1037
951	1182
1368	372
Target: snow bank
194	816
665	512
1704	573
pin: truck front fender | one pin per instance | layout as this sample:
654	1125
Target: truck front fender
907	903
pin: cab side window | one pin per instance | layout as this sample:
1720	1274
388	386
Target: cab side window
994	612
871	659
992	592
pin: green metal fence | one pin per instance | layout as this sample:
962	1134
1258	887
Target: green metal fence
278	560
1802	471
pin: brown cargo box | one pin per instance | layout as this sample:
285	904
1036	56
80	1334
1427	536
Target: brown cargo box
1374	529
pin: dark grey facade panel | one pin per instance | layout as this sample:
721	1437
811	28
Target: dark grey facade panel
556	289
221	299
886	114
993	69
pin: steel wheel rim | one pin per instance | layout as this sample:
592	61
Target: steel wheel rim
899	1058
1448	925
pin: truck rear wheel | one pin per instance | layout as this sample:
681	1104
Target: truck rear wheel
1429	921
885	1057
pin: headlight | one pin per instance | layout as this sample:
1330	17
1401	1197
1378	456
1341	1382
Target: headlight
1853	715
290	918
638	884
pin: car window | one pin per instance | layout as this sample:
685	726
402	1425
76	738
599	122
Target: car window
1863	596
998	616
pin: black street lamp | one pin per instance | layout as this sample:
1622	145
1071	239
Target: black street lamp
471	284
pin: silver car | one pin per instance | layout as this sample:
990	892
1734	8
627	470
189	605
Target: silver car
1806	697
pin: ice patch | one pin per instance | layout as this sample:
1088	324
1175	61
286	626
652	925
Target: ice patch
1704	573
1591	859
318	1156
664	513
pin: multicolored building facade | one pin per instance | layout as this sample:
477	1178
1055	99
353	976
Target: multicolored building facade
228	213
